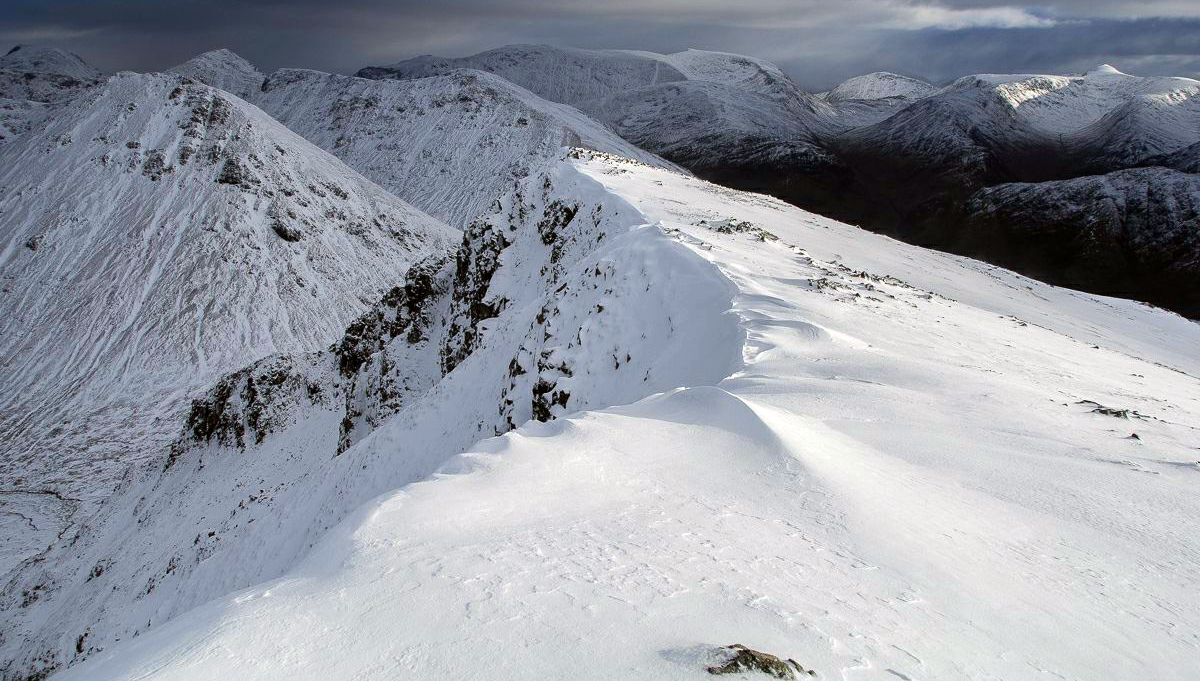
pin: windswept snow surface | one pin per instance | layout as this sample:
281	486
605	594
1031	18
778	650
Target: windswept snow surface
924	467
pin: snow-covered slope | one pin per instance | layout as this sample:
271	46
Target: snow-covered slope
566	75
1061	105
881	85
1185	160
551	304
883	462
726	116
448	144
37	59
224	70
1103	120
587	79
42	74
158	233
919	174
736	70
871	98
18	116
694	122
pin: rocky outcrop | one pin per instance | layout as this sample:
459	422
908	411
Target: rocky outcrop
738	659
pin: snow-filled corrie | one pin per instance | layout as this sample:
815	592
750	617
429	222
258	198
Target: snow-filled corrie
924	467
560	299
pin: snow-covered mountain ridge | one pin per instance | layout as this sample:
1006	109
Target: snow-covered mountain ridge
920	465
551	304
449	144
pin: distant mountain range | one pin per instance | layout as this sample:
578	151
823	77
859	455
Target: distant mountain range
923	163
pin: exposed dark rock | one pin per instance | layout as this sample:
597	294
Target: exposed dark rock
476	262
743	660
234	173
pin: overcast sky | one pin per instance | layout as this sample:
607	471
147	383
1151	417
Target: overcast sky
819	42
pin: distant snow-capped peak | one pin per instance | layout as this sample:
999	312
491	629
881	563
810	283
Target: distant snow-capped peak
223	69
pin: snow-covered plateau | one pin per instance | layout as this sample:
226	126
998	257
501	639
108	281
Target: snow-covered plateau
772	429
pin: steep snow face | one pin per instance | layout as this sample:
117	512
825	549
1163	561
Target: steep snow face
881	85
224	70
565	75
560	299
158	233
923	468
448	144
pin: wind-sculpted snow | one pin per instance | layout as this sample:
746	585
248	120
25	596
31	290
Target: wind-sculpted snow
448	144
559	299
224	70
921	467
157	234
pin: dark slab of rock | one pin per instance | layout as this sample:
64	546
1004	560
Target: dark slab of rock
742	660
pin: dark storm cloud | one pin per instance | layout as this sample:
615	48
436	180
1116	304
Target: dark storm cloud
818	41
